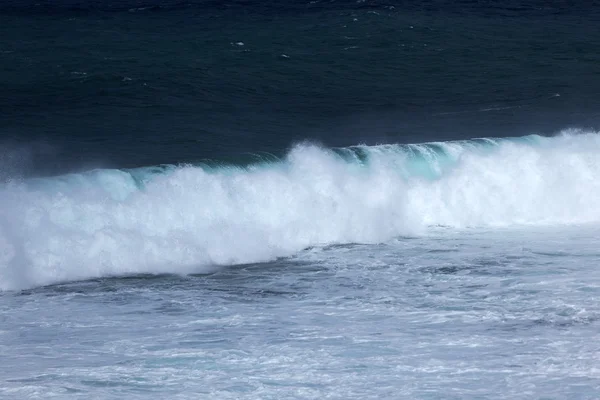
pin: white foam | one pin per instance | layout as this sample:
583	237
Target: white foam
190	219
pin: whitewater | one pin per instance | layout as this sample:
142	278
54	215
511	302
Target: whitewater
191	219
449	270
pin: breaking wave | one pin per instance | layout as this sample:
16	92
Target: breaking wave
184	219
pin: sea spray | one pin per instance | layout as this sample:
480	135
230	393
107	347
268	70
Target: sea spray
189	218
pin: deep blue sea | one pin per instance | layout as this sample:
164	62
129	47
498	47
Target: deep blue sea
322	199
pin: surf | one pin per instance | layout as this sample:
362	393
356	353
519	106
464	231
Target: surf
191	218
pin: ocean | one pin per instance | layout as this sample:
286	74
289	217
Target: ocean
299	199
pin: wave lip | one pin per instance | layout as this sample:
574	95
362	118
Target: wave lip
188	219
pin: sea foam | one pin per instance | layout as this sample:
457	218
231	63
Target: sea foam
189	219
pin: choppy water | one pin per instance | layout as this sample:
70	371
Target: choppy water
299	200
507	314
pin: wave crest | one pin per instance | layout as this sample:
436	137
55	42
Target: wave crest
188	219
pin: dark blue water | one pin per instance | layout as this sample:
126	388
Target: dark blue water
87	84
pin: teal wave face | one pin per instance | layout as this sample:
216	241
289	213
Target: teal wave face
428	160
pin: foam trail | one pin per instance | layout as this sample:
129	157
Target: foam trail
188	219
